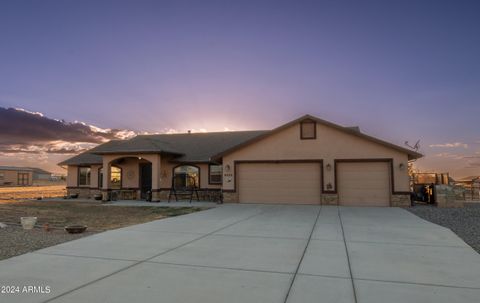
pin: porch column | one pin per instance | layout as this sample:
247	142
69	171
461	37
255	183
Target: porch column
107	168
156	176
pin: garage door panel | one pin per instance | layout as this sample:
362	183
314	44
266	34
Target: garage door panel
287	183
364	184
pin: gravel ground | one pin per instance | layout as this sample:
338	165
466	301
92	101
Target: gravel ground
16	241
465	222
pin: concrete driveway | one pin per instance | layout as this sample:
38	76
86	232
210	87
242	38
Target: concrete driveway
257	253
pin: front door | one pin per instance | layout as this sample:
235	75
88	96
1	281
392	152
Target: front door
145	179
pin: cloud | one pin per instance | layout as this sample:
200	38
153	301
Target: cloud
449	156
26	132
450	145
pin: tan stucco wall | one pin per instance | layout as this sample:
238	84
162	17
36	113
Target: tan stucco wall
330	144
167	172
11	177
131	173
72	176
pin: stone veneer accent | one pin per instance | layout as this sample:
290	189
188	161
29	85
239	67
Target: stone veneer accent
161	195
329	199
402	200
82	192
230	197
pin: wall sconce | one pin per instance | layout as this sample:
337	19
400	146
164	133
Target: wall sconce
329	186
329	167
227	167
401	166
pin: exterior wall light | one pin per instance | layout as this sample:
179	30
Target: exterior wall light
329	167
227	167
401	166
329	186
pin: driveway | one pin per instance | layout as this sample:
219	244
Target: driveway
257	253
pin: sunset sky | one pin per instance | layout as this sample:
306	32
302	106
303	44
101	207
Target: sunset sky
78	73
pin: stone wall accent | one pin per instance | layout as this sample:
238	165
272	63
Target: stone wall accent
83	193
329	199
161	195
448	196
402	200
230	197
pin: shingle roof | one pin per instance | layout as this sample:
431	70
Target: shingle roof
196	147
88	157
205	147
39	170
15	168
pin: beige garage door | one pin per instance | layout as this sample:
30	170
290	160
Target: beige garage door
285	183
363	184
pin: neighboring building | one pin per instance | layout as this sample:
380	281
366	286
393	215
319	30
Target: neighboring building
472	187
41	175
15	176
306	161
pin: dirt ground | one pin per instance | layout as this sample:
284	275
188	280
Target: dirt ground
14	240
93	214
31	192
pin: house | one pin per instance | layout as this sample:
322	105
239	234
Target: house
15	176
40	174
306	161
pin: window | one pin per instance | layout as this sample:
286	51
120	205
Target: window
100	178
186	176
22	179
83	176
115	177
2	176
215	174
308	130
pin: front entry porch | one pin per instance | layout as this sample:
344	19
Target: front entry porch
131	177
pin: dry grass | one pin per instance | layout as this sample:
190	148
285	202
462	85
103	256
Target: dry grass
31	192
93	214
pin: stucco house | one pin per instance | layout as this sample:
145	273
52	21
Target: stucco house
306	161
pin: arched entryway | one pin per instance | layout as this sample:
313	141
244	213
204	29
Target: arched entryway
126	177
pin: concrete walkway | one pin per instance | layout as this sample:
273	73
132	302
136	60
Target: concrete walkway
257	253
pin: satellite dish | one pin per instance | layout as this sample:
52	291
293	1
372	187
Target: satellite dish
415	147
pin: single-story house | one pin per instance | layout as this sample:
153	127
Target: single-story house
41	174
15	176
305	161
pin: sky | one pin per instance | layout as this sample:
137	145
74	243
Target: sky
74	74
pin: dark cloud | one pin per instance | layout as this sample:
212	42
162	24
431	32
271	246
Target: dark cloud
22	131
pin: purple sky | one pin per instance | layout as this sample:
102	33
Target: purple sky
401	70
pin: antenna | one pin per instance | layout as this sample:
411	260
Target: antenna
415	147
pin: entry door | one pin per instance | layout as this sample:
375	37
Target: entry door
145	179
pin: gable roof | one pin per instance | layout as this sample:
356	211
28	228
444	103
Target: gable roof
349	130
206	147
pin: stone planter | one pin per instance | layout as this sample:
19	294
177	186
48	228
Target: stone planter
28	222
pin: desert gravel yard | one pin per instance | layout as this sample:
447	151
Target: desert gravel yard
16	241
465	222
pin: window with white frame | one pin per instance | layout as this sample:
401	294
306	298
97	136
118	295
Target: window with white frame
215	174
